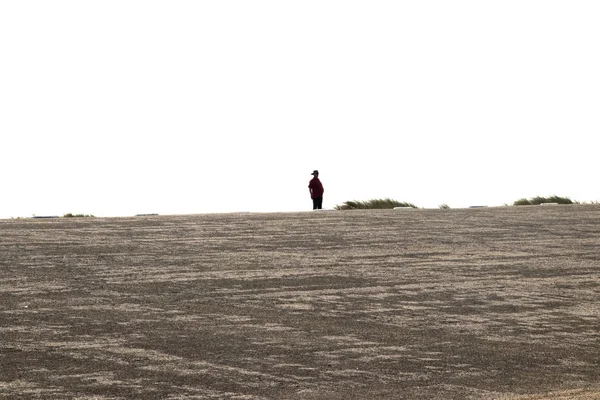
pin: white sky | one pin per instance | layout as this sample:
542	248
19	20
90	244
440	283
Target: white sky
174	107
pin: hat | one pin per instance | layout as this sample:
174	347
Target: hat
315	172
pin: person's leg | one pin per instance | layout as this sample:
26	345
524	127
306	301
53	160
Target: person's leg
320	203
315	203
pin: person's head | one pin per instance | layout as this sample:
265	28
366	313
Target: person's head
315	173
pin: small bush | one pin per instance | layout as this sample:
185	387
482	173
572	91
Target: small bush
534	201
522	202
373	204
69	215
444	206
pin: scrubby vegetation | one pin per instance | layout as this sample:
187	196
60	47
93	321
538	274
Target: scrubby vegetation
373	204
539	200
69	215
388	203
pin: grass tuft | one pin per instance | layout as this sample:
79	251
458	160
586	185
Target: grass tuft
70	215
534	201
373	204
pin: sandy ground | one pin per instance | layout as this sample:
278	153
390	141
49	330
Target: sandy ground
490	303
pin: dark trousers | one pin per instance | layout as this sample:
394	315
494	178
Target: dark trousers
317	203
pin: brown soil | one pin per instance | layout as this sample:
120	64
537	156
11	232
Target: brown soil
490	303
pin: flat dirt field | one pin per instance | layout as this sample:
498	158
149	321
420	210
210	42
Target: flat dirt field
488	303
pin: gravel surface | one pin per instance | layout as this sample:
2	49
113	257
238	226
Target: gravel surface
487	303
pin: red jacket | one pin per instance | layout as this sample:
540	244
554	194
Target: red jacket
316	188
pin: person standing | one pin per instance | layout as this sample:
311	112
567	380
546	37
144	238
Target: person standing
316	191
